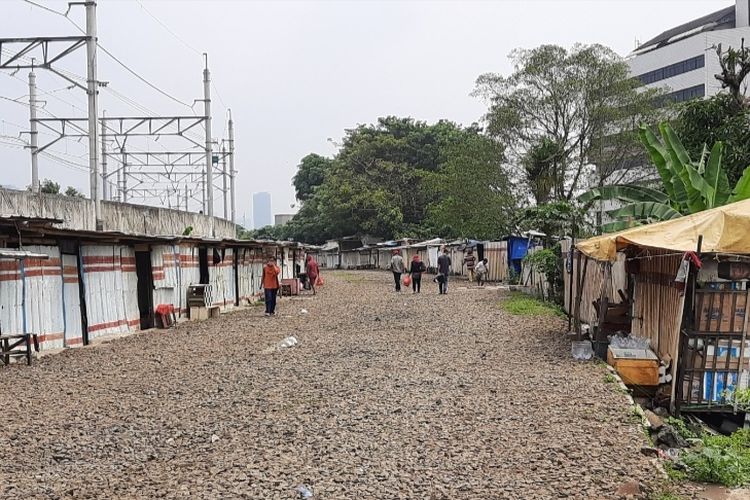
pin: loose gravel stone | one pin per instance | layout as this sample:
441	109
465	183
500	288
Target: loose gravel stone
386	396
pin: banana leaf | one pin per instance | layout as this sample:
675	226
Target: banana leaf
645	211
716	177
742	189
618	225
629	193
659	157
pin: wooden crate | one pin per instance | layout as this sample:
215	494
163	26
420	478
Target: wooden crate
635	366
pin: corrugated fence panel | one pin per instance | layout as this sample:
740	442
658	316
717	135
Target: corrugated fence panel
496	253
161	258
44	295
72	302
111	287
11	296
189	273
593	285
221	277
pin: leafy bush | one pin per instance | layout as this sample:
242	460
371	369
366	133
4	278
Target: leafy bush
723	460
549	262
680	427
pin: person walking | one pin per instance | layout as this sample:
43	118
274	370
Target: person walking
482	271
470	261
271	284
415	271
397	267
313	271
444	269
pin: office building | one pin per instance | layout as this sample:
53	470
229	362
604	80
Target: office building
262	210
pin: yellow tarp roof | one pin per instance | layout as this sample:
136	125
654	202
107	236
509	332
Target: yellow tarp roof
725	230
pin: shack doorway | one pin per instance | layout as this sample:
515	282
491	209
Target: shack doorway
203	265
145	276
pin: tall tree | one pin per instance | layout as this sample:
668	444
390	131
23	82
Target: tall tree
387	179
311	173
475	195
542	170
576	99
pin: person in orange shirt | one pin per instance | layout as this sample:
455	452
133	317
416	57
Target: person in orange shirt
271	284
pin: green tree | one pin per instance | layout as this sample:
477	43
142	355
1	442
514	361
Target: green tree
311	173
583	101
73	192
385	180
689	186
541	165
50	187
717	118
475	195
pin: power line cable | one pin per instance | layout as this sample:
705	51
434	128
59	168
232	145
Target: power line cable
163	25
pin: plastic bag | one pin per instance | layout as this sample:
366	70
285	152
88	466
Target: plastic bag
407	280
319	281
582	350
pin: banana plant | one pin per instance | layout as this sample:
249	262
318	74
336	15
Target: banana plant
688	186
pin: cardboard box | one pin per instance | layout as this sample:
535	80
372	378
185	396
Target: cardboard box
635	366
719	314
730	350
203	313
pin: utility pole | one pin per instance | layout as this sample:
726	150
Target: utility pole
33	134
92	83
224	179
208	206
124	185
105	188
186	198
231	163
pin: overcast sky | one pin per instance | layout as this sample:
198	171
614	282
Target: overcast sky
298	73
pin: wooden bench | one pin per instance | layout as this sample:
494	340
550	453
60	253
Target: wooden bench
10	341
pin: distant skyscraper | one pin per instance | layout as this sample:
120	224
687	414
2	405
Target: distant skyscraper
262	210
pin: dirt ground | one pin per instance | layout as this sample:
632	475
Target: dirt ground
386	396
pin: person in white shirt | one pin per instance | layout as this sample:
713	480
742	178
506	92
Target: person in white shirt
481	271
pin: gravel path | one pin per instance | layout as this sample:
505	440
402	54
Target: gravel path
386	396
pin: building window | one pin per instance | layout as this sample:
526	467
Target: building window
675	69
681	95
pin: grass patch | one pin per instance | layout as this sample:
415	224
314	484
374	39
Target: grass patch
610	379
351	277
522	305
723	460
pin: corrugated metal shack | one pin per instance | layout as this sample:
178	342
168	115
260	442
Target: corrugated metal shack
94	284
682	284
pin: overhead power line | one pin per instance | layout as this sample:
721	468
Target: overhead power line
163	25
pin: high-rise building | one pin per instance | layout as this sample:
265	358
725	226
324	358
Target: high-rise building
262	216
683	59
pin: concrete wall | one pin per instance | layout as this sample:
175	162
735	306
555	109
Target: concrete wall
78	213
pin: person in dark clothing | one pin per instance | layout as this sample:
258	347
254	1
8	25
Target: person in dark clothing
415	270
444	269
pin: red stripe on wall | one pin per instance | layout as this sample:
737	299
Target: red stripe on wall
112	324
74	341
71	280
48	337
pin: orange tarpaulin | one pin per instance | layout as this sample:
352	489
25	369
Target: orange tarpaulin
724	229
